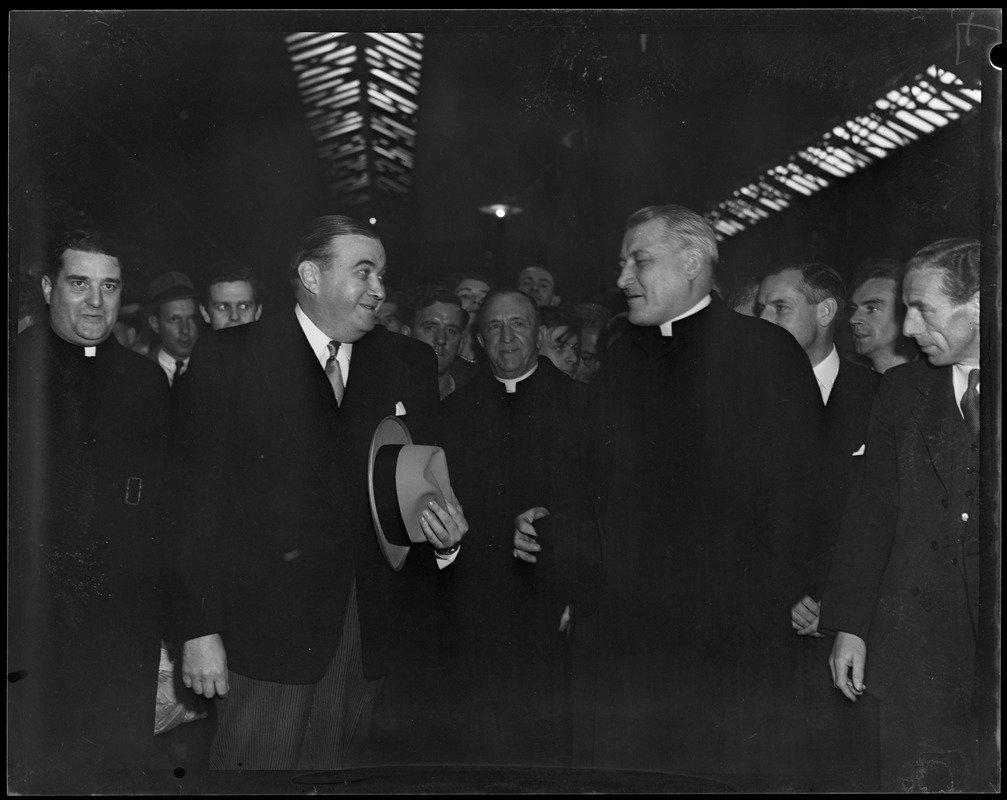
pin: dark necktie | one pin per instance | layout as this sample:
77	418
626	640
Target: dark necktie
179	368
334	372
970	404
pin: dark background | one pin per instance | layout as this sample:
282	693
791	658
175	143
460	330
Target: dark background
184	131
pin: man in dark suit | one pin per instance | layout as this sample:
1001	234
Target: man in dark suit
89	435
174	320
904	581
701	429
514	437
282	598
807	299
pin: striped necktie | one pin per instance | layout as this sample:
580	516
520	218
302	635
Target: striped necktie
334	372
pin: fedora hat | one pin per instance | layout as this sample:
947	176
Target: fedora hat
402	478
170	286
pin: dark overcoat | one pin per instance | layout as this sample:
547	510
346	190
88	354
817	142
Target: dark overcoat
268	488
89	438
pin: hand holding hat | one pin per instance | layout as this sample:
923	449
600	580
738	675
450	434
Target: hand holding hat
410	492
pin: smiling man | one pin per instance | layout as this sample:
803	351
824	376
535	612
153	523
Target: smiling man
903	593
89	434
281	594
699	448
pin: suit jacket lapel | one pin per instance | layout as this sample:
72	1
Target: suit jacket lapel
293	378
931	413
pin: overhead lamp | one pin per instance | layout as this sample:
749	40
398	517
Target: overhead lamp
501	210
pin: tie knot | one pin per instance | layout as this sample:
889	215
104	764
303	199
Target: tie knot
334	348
973	379
179	366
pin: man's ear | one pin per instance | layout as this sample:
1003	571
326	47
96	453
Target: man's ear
154	322
46	288
258	313
827	311
479	338
406	330
204	314
975	307
307	272
693	263
540	338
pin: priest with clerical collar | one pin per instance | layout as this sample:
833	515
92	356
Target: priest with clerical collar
513	437
88	440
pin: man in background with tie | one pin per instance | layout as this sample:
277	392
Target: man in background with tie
903	587
175	321
286	608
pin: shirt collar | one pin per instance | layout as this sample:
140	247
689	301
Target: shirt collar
826	373
960	377
666	326
511	383
166	360
319	341
90	352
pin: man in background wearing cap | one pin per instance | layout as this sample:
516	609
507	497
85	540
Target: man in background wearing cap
286	607
89	435
174	321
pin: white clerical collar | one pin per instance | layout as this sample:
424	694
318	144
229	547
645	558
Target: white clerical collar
666	326
511	383
90	352
826	373
319	342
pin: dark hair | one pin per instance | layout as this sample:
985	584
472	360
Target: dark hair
592	316
689	229
561	316
425	296
315	241
959	261
743	292
85	240
882	268
454	280
818	282
230	271
536	313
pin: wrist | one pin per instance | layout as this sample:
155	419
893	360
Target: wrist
447	551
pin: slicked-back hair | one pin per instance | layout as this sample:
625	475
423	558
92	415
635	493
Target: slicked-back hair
562	316
85	240
425	296
689	229
231	270
504	290
818	282
315	241
958	259
878	268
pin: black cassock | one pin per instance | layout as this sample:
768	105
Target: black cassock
703	454
508	452
88	437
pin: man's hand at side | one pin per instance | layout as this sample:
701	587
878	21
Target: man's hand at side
204	666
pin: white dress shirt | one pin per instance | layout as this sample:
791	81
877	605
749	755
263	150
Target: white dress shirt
826	373
167	362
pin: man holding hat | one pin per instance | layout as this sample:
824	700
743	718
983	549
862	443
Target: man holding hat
287	607
173	318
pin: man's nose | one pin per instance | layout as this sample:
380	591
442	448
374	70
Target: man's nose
440	336
911	326
377	288
625	277
95	298
234	314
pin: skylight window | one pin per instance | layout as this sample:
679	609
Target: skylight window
934	99
360	91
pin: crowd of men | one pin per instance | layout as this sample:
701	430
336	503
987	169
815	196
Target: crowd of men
685	540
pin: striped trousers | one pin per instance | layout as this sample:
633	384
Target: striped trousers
263	725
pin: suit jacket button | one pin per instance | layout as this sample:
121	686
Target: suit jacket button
944	503
965	517
973	447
